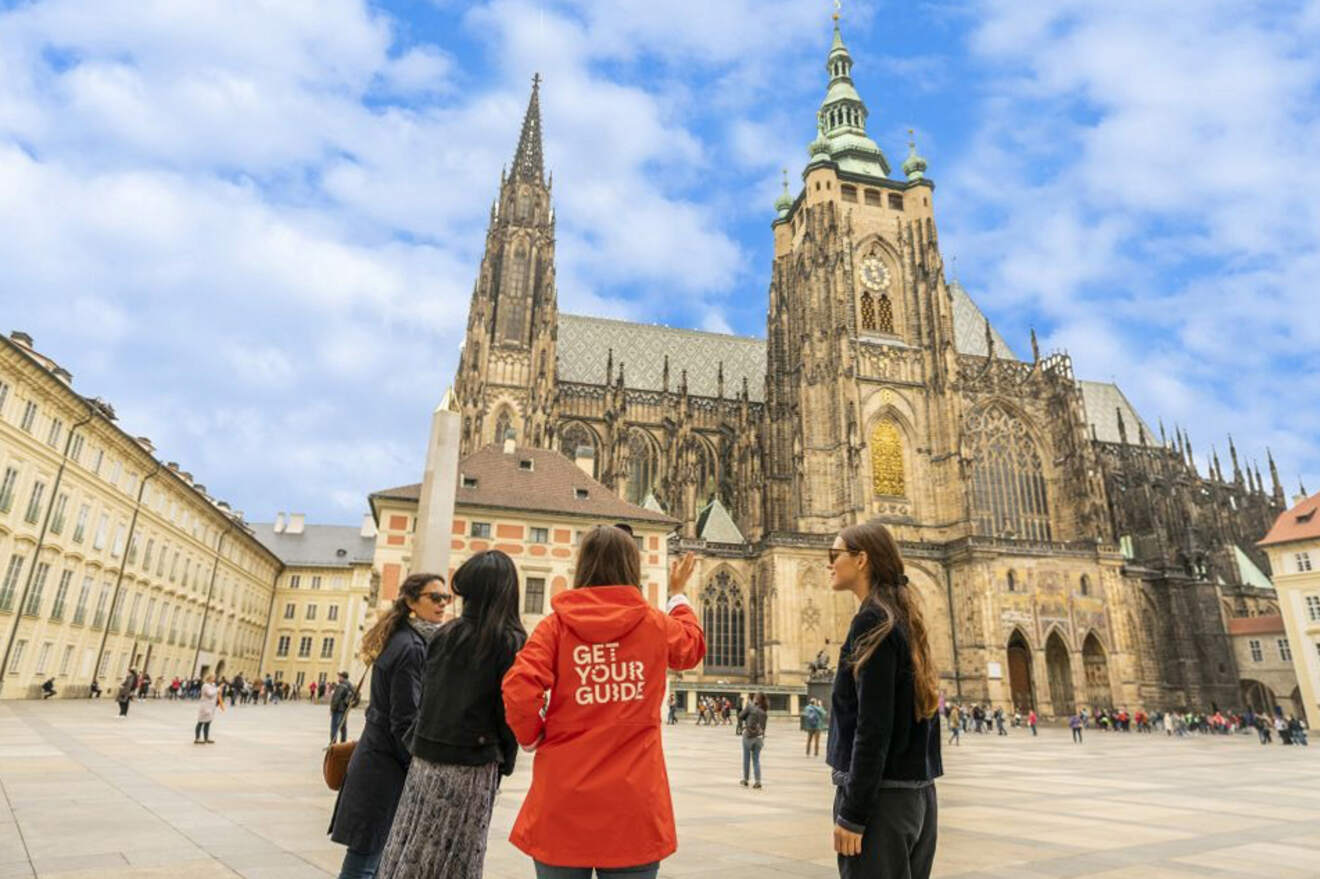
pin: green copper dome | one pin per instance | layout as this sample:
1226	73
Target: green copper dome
914	166
784	203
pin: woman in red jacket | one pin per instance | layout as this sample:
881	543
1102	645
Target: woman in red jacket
600	794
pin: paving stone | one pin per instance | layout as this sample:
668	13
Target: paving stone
87	795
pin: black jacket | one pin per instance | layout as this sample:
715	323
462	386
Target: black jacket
342	697
461	720
874	734
365	807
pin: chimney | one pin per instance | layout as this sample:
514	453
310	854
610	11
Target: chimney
368	526
296	523
509	444
21	338
585	458
279	523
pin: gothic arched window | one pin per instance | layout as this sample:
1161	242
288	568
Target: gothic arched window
884	314
1086	585
1008	480
643	466
503	425
868	312
707	470
575	439
887	459
724	619
513	299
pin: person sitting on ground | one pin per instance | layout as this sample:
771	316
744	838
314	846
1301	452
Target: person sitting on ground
48	689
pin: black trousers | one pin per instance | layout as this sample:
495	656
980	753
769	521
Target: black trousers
899	842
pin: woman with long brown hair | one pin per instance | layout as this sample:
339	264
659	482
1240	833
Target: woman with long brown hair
884	744
395	647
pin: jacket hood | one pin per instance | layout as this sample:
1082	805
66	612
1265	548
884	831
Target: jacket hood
597	614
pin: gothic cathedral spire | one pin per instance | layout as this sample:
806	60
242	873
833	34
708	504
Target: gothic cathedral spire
528	165
506	374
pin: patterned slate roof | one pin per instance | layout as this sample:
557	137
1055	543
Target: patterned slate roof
585	344
1103	400
317	545
969	327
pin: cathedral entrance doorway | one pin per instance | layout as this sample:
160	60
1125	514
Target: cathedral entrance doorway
1019	673
1059	668
1258	697
1097	673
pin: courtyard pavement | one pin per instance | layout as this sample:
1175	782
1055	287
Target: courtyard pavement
85	794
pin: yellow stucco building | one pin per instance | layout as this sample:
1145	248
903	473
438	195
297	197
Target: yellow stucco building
323	599
1293	545
111	559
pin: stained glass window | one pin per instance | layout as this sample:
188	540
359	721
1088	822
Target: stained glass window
884	314
643	465
1008	481
887	459
724	618
868	312
513	298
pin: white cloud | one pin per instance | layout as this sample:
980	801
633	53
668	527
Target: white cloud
1143	177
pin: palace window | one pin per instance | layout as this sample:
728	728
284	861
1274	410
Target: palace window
480	529
896	201
887	460
873	197
848	192
327	648
1313	608
534	599
1008	480
1303	562
281	647
1257	655
723	617
1285	652
304	646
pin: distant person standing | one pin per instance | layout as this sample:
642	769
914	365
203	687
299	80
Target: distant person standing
673	709
126	691
341	700
94	691
813	721
1075	724
210	701
1031	720
753	720
955	725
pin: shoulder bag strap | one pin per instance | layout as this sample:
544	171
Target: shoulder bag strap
357	696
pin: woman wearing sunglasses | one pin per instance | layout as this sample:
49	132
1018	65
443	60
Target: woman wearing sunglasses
884	744
396	648
461	745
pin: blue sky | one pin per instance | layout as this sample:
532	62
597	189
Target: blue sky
254	225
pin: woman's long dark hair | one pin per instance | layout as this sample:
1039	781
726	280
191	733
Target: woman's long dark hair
488	585
373	643
893	596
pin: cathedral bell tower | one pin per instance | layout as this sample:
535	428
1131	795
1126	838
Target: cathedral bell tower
854	324
506	374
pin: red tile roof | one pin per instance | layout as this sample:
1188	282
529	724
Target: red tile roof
552	485
1271	624
1302	522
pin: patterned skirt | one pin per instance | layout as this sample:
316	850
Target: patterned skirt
440	829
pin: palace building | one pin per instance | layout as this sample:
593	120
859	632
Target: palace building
1066	554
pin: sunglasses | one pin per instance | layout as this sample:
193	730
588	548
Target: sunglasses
440	598
835	553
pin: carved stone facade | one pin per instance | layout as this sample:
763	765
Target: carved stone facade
1064	555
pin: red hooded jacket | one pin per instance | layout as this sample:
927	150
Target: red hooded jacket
600	793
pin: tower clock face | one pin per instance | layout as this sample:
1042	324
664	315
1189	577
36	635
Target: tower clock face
874	274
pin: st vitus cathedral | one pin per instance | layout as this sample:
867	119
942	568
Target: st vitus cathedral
1065	554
